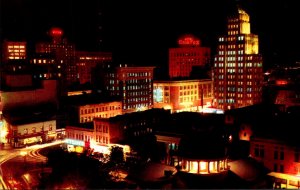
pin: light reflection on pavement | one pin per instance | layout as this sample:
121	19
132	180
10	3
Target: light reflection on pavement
20	155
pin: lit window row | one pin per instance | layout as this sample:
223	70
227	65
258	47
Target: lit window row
241	38
99	109
230	26
138	74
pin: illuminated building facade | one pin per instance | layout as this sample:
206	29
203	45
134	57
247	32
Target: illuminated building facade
82	138
203	153
127	127
84	108
86	63
29	130
134	85
183	95
107	132
238	71
78	138
46	67
281	158
14	51
63	52
188	55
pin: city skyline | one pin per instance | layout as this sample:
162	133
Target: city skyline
142	32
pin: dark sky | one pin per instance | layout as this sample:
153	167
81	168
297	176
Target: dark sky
141	32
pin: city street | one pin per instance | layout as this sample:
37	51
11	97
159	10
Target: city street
20	168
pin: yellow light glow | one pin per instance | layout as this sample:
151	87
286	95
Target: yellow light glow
79	149
203	165
194	167
23	153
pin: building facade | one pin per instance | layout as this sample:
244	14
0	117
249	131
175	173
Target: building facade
189	54
86	63
30	95
63	53
134	85
84	108
280	157
238	71
26	133
183	95
14	51
78	138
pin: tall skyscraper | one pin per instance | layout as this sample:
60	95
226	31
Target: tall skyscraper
238	71
189	54
63	53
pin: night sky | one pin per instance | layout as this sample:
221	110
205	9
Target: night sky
140	32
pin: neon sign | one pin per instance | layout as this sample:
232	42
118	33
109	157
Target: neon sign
75	142
189	41
56	32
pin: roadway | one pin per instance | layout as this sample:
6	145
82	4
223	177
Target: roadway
16	162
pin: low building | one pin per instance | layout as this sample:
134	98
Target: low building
84	108
183	95
277	147
78	138
203	153
29	126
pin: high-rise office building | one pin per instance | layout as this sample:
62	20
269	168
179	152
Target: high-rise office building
189	54
64	54
133	85
238	71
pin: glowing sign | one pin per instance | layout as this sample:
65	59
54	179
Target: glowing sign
56	32
189	41
75	142
158	94
281	82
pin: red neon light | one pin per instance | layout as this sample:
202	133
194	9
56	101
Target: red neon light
281	82
188	41
56	32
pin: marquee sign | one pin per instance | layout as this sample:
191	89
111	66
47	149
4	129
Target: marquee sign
189	40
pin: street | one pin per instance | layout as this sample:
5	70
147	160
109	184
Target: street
16	165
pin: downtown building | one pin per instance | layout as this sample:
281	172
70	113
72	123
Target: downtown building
188	56
64	55
86	63
13	50
183	95
132	85
238	71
